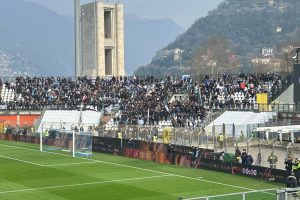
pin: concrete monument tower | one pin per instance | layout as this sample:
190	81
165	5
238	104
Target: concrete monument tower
102	40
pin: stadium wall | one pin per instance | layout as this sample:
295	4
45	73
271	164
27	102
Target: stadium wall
157	152
181	156
20	138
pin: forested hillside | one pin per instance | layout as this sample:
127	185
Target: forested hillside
238	28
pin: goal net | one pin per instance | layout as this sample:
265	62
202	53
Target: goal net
76	143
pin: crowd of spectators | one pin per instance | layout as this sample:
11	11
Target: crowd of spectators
238	90
143	100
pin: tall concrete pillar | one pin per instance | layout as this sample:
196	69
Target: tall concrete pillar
77	37
102	39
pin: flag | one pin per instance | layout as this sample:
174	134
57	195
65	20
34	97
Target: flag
167	108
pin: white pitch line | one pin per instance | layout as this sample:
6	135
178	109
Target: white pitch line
98	161
24	161
132	167
81	184
79	163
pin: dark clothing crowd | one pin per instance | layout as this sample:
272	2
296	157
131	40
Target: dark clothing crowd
142	101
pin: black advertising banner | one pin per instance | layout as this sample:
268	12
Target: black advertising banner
20	138
181	156
245	170
157	152
107	145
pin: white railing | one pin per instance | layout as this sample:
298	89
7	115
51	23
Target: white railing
263	194
288	194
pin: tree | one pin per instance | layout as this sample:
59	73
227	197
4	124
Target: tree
215	57
287	56
286	52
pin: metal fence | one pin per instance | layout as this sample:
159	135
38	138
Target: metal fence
255	107
234	136
288	194
286	108
254	143
14	127
268	194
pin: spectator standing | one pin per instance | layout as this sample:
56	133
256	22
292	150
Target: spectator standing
169	151
242	136
130	143
296	169
119	134
154	138
149	138
249	159
244	156
221	140
237	155
289	165
258	160
273	160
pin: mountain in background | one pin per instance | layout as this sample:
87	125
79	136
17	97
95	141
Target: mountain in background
40	37
248	26
144	37
36	40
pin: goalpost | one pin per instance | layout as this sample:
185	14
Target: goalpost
77	143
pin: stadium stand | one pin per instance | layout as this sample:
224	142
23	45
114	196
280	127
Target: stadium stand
180	102
141	108
7	95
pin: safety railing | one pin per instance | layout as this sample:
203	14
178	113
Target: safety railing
267	194
223	139
286	108
288	194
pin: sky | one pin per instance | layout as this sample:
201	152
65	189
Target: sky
182	12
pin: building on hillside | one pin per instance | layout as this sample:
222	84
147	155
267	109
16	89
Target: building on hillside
267	52
174	54
177	54
102	40
161	55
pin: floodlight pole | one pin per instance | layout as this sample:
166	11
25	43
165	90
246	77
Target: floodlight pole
41	138
77	14
73	144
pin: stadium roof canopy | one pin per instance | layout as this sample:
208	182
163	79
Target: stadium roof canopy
66	119
243	122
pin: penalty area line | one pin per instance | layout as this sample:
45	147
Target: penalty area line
69	164
23	161
80	184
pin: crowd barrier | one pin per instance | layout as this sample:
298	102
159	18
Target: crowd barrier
182	156
20	138
158	152
254	144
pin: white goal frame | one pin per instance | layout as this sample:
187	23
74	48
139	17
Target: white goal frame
73	149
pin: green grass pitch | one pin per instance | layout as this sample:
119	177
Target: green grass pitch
27	174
